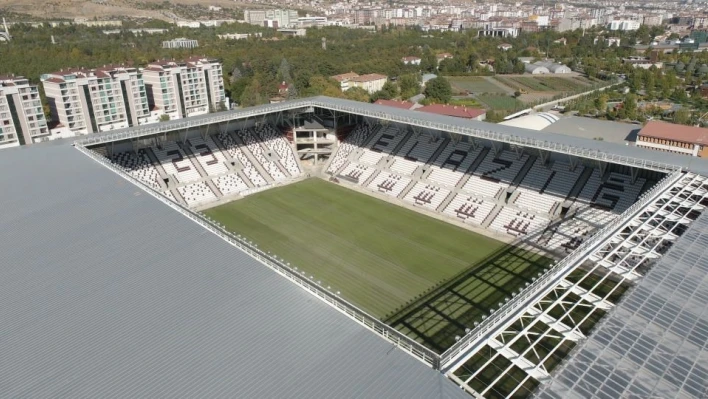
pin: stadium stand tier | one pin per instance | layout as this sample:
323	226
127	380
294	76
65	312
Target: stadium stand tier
203	172
510	193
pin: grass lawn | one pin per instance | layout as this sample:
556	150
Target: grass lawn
500	102
380	256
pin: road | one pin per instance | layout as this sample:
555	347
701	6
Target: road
547	106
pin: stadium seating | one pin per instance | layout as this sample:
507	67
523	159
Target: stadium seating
389	183
196	193
176	163
254	145
522	209
357	173
469	209
452	163
427	195
474	185
404	166
420	149
230	184
503	167
388	138
370	157
192	185
208	156
353	142
251	172
516	222
139	166
275	140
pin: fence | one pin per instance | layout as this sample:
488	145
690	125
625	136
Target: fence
392	335
536	289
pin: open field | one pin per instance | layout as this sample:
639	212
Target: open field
544	83
382	257
501	102
473	84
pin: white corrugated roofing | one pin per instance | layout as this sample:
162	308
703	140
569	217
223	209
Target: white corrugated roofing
107	292
537	121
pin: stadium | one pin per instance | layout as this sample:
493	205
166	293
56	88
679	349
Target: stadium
329	248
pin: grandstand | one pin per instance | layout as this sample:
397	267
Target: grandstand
607	214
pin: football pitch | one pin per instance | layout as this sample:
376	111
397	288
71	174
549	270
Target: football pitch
380	256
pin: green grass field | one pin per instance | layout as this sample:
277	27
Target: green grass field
501	102
380	256
474	84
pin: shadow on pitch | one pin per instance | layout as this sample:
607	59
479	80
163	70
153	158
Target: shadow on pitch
449	309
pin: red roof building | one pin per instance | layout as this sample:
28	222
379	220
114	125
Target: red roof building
395	104
478	114
680	139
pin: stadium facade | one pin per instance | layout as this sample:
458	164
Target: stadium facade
115	288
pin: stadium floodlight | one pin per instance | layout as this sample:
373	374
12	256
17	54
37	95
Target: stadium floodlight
338	292
457	337
467	330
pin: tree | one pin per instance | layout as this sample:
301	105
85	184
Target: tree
439	90
630	106
409	85
237	89
682	116
428	62
164	118
284	71
357	94
601	103
322	86
387	92
253	94
517	94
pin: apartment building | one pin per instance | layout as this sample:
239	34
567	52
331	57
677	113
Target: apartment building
344	80
272	18
372	82
624	25
180	42
185	88
21	114
86	101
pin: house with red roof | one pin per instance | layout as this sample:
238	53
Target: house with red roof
478	114
396	104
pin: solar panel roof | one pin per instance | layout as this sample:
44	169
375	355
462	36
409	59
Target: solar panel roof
655	342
